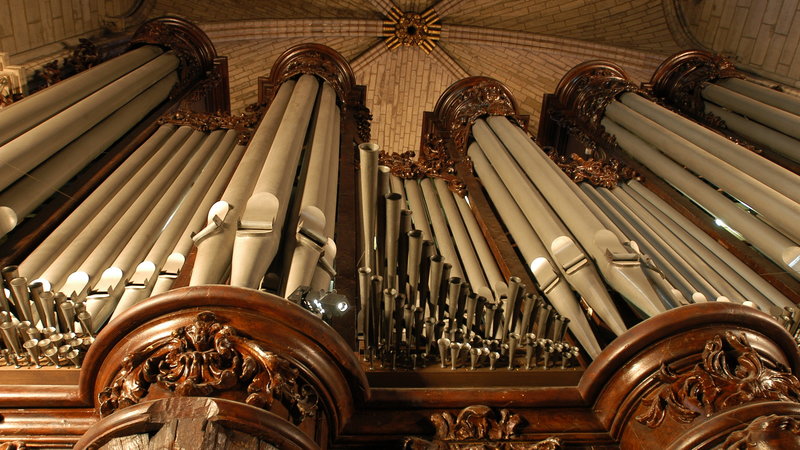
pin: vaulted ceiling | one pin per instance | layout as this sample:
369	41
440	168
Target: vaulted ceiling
526	44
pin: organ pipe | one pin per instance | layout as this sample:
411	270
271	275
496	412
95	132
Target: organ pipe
259	231
27	113
39	143
621	271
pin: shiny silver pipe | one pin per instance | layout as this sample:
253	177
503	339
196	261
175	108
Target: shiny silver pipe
22	299
414	260
259	232
548	278
197	171
30	111
310	235
364	309
26	194
676	278
393	208
441	234
737	266
769	202
112	193
462	240
28	150
485	256
565	253
773	175
679	256
187	219
215	241
770	242
103	250
368	187
619	267
700	264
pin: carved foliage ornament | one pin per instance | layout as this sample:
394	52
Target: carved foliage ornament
680	79
731	373
478	427
205	359
476	101
318	60
434	163
244	123
606	173
771	431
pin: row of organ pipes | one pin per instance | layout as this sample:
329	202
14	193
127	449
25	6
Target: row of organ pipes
580	241
430	289
182	187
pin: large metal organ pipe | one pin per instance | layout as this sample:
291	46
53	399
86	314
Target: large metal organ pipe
770	241
47	138
259	232
215	241
571	260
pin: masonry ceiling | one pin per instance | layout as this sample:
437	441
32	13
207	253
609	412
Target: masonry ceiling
528	45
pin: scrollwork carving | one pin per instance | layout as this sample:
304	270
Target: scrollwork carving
604	173
207	358
244	123
731	373
467	100
318	60
479	427
187	41
771	431
680	79
433	163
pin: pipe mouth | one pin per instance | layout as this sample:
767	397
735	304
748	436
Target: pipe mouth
791	257
8	220
369	147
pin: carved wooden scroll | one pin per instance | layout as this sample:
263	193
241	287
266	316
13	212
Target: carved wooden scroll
316	59
207	359
459	106
186	40
479	427
680	79
732	373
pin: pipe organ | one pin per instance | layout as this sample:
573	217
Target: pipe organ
173	275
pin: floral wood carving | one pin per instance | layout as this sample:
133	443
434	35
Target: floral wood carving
363	119
467	100
15	445
187	41
605	173
478	427
731	373
771	431
207	358
680	79
433	163
244	123
318	60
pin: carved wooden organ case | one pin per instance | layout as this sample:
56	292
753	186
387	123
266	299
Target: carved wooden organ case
491	358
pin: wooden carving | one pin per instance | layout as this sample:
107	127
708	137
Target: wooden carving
583	95
318	60
731	373
604	173
680	79
467	100
771	431
207	358
479	427
244	123
16	445
186	40
433	163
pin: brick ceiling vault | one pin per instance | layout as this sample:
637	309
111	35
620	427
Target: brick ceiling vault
527	45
